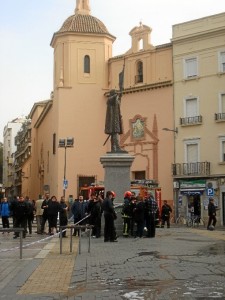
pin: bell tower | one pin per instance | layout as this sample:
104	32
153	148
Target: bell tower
82	49
83	7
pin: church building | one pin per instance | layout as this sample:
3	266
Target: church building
84	73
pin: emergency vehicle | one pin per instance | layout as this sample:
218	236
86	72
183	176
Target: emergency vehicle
139	187
86	191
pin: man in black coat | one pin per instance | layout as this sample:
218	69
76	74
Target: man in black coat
151	209
212	214
21	212
109	215
165	216
45	216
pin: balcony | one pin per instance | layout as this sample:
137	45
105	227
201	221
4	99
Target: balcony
220	117
196	120
191	169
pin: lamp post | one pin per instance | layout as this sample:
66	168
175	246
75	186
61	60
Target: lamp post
65	143
174	170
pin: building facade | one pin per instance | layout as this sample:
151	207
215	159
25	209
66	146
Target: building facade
199	113
9	149
84	72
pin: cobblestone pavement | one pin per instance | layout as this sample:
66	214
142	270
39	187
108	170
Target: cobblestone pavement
180	263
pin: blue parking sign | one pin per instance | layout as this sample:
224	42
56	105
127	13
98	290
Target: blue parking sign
210	192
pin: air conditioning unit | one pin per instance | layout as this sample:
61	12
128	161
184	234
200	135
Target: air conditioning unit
212	184
176	185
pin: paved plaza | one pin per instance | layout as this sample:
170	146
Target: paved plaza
179	263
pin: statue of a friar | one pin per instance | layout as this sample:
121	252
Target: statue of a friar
113	120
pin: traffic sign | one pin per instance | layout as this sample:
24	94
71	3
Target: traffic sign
65	184
210	192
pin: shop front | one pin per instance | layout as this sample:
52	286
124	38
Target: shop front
191	198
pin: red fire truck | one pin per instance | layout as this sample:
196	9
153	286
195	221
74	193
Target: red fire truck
86	191
139	187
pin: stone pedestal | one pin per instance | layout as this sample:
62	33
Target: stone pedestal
117	173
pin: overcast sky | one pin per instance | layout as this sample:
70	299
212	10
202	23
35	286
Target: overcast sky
27	26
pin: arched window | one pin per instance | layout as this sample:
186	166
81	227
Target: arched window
139	72
87	64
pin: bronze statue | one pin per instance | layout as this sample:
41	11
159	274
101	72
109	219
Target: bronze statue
113	121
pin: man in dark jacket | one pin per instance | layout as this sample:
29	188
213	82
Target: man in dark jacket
151	209
109	215
45	216
95	211
212	214
139	216
30	215
21	212
79	211
165	215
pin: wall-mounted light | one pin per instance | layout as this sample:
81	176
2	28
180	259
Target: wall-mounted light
168	129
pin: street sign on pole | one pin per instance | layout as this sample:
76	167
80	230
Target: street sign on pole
65	184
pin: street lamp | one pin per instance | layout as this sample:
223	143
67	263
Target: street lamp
174	169
65	143
174	130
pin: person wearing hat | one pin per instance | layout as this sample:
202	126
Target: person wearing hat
212	214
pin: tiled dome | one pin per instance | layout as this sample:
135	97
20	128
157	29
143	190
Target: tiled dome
83	24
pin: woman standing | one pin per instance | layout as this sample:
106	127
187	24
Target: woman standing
54	208
5	213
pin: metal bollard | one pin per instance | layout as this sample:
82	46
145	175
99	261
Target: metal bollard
89	241
60	235
21	244
71	240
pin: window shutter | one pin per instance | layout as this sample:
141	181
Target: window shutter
192	153
223	103
191	67
191	108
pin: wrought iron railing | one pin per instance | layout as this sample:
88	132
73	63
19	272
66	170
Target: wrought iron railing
220	117
191	120
190	169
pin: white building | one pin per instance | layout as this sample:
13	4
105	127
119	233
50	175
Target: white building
9	148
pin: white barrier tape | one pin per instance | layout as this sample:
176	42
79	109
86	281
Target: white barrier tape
41	240
29	244
72	218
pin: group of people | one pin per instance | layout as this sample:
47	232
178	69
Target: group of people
140	214
22	211
88	212
136	211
